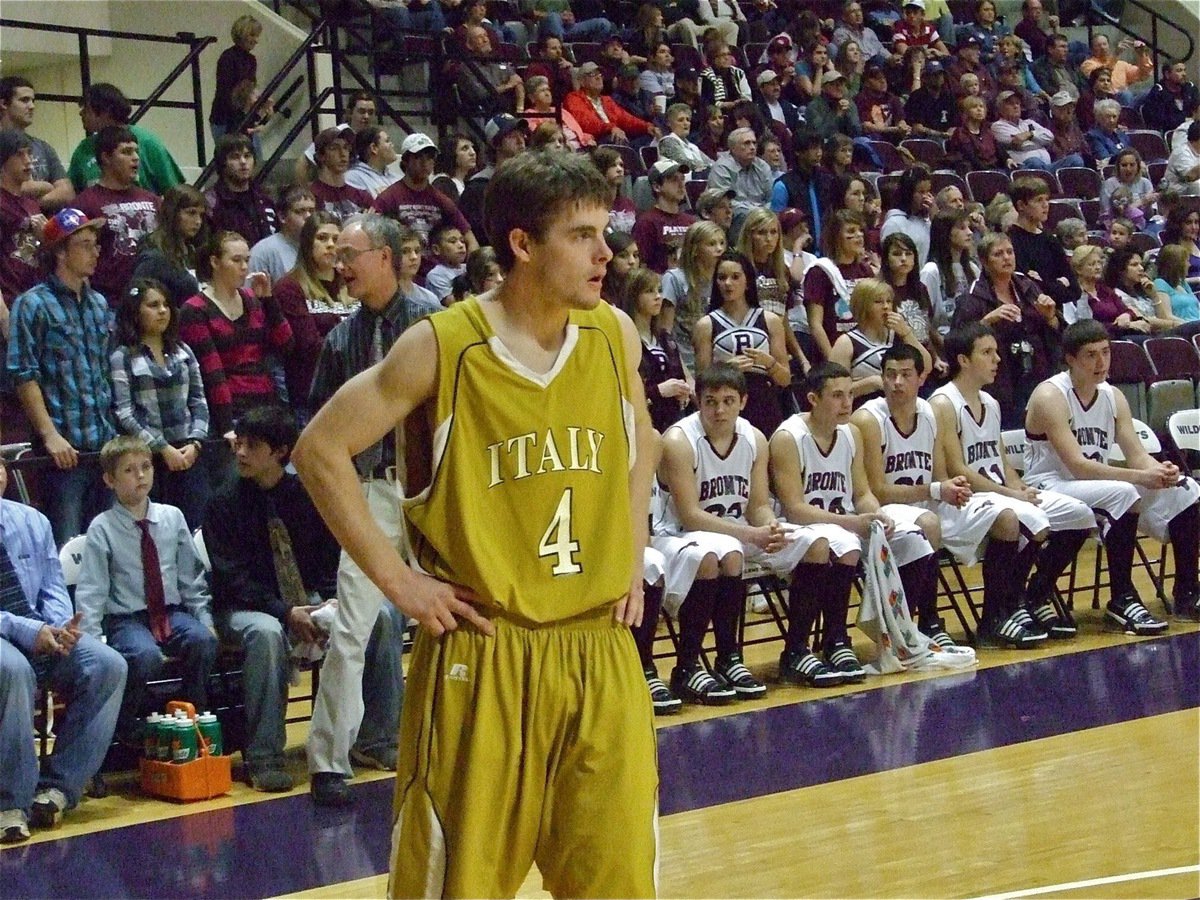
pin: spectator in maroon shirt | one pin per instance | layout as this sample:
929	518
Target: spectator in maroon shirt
553	65
1030	30
21	221
659	230
414	201
880	111
130	212
235	65
235	203
972	142
333	150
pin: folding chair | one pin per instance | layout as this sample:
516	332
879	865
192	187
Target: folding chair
1184	430
926	151
1079	183
1131	372
987	183
649	156
1144	243
1062	209
889	156
1149	144
1050	179
1175	358
1116	457
1091	212
944	178
629	157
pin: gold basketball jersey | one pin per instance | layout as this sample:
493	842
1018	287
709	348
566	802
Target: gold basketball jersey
528	503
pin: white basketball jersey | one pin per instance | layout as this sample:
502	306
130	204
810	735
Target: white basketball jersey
827	482
907	458
732	338
867	354
1094	428
723	483
981	443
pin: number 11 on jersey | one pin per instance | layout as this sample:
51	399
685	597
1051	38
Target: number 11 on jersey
557	541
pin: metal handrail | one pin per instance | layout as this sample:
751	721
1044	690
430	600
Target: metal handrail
314	109
196	46
1112	21
306	48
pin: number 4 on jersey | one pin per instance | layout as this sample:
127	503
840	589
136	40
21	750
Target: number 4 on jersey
557	542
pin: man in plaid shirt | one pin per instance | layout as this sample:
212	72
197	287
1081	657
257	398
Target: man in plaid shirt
58	362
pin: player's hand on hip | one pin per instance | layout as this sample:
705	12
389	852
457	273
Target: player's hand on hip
438	606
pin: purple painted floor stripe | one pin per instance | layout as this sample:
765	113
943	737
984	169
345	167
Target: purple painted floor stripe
287	845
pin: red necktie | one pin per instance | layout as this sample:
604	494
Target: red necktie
156	603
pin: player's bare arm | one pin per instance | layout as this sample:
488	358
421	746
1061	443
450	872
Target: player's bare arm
843	354
1049	415
361	412
768	532
645	442
702	343
949	461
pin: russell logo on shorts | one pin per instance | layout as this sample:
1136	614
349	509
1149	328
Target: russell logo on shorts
458	672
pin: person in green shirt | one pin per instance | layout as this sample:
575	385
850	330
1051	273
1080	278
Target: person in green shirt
104	105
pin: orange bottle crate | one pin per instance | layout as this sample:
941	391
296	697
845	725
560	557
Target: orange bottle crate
201	779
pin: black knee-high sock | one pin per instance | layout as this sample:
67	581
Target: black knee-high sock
998	563
643	635
1022	566
1054	557
694	616
1185	541
727	612
1118	544
835	602
808	583
919	578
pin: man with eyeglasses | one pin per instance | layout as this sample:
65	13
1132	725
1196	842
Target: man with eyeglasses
740	169
58	363
370	255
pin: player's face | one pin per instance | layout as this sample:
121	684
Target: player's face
573	256
719	409
984	361
835	402
133	479
900	381
1090	364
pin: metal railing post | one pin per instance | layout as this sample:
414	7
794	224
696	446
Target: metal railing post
201	151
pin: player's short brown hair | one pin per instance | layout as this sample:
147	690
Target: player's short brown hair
531	190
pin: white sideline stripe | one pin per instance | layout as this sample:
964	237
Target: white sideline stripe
1093	882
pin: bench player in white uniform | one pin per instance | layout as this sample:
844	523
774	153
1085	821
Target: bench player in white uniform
904	462
718	513
1071	423
968	420
817	472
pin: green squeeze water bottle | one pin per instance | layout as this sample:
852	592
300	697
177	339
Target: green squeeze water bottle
150	736
210	732
184	745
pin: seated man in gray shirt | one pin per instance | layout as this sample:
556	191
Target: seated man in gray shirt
142	586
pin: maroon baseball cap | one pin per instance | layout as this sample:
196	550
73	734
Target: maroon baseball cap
65	223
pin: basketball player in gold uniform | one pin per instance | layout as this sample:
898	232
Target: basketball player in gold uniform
527	734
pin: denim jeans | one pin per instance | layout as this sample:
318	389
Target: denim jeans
73	498
265	671
190	642
588	30
93	676
1073	160
398	19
